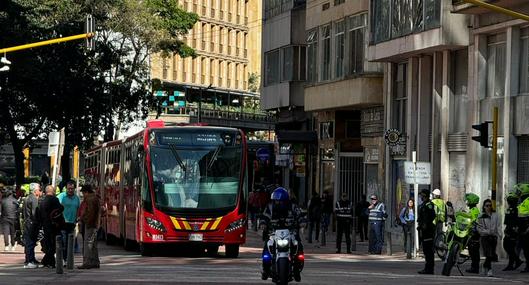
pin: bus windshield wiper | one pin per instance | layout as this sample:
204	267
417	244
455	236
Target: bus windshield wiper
172	147
214	156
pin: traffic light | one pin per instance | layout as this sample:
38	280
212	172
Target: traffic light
483	137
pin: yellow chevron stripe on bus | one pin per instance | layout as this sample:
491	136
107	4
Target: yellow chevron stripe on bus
216	223
186	225
204	226
175	223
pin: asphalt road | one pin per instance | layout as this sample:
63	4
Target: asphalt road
178	267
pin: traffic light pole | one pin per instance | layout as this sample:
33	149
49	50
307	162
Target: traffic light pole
494	156
45	43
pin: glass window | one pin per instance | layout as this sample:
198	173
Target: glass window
496	65
459	104
326	52
195	178
338	2
380	20
357	28
400	98
312	56
339	44
272	67
288	62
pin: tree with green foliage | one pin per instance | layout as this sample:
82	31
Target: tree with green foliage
67	86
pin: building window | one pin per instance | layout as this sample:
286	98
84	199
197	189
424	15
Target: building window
523	159
272	67
165	67
338	2
400	97
293	63
326	52
312	56
459	104
496	65
524	61
396	18
357	27
339	45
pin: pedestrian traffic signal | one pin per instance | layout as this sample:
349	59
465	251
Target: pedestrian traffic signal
483	137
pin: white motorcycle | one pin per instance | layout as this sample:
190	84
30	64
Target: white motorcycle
283	257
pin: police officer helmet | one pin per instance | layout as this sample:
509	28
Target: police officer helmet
512	197
471	199
280	198
522	189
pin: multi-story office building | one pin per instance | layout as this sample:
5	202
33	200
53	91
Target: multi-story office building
344	94
426	94
498	76
227	43
284	74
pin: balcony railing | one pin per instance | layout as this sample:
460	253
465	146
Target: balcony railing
221	114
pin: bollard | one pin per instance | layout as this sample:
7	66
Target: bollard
389	242
69	252
353	234
58	255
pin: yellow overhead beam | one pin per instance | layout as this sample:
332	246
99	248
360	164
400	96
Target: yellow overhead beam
48	42
498	9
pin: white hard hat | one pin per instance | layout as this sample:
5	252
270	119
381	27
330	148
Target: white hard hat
437	192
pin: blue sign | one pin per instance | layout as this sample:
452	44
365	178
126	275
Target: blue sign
263	154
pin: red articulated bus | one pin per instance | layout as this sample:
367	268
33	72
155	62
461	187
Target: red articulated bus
184	184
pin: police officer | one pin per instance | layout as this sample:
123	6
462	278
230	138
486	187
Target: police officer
426	230
377	216
510	238
344	215
472	201
281	213
523	222
440	211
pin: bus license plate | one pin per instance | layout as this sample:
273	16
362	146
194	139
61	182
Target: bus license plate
196	237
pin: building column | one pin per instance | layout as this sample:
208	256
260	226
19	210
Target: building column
511	90
445	115
435	157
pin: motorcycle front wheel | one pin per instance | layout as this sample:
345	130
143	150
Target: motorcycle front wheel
283	271
451	259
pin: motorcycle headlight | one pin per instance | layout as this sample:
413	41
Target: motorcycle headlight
281	243
155	224
236	225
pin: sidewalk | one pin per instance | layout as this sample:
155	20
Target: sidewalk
254	239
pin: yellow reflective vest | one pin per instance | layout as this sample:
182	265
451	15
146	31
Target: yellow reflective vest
523	209
440	210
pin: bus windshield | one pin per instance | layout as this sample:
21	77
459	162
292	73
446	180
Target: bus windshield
199	177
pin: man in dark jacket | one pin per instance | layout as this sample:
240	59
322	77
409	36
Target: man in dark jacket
344	216
314	212
362	214
50	210
91	218
427	230
8	212
31	224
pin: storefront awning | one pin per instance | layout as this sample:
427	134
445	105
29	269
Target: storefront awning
297	137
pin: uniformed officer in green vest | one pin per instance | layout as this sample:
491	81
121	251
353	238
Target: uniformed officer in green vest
440	211
523	222
472	201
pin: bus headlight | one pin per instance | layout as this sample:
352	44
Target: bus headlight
236	225
155	224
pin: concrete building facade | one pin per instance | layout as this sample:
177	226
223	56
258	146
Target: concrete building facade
498	55
283	79
424	48
344	92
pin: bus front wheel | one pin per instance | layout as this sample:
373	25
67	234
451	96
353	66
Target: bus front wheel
232	250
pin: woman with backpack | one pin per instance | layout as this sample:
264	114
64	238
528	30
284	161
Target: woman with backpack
407	219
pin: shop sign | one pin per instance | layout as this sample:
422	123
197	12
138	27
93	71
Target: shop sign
326	130
371	155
